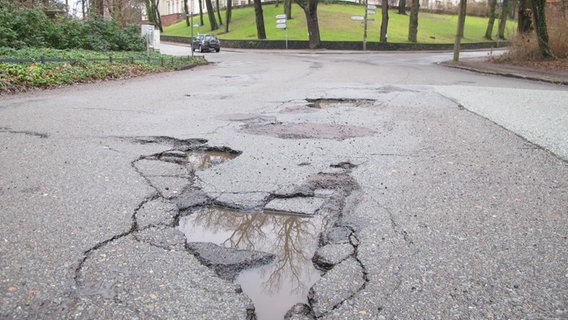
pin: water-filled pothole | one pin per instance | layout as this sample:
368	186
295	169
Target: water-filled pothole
199	158
323	103
275	287
203	159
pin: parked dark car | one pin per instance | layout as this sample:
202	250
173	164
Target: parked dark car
206	42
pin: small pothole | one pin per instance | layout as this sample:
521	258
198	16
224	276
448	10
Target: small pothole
323	103
203	159
199	158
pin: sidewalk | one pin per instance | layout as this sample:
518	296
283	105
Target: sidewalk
482	65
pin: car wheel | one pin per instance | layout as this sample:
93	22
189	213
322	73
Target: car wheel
201	49
218	49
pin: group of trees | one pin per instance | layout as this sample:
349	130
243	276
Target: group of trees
531	16
33	27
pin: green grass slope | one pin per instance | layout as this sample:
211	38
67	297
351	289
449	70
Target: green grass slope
336	25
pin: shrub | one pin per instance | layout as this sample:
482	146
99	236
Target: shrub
22	27
477	9
525	47
29	26
558	37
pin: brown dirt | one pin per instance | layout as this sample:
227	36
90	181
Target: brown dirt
555	71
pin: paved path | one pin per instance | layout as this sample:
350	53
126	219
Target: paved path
444	196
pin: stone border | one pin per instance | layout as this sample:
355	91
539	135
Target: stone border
342	45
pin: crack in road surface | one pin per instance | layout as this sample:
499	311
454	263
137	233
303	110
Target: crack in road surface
176	205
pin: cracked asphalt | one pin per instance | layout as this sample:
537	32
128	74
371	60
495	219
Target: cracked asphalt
444	192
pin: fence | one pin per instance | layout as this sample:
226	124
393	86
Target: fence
162	61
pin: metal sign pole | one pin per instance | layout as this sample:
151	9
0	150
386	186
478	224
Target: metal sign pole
191	28
365	27
286	36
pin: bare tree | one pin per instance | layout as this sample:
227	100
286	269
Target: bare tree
459	33
401	7
153	13
201	22
384	20
288	9
260	31
503	20
218	11
310	8
539	19
413	24
491	21
97	6
186	11
461	17
228	14
524	20
211	15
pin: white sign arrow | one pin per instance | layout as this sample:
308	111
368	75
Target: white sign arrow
357	18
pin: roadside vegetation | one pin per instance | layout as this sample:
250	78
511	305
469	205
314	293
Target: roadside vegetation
524	48
48	68
40	52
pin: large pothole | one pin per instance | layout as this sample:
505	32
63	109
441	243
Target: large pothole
275	285
309	130
323	103
270	252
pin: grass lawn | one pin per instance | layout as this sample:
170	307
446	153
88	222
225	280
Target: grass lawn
336	25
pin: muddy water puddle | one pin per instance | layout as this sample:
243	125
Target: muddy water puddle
204	159
293	239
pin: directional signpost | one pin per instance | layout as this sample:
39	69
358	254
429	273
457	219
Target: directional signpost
369	10
281	23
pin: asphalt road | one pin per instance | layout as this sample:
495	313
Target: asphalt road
445	192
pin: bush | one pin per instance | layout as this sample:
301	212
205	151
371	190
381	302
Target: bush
26	26
22	27
525	47
477	9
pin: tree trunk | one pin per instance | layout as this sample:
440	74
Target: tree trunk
153	13
461	17
413	24
503	20
186	11
540	26
158	21
310	8
218	11
491	22
211	14
384	20
401	7
524	18
201	23
459	33
288	9
98	7
260	32
228	14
